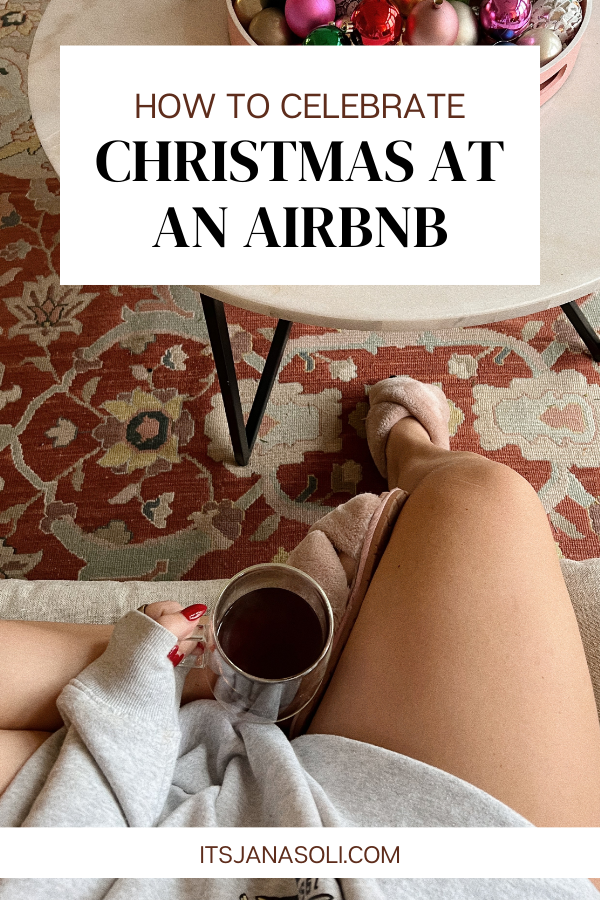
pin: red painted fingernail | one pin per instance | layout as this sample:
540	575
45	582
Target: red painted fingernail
175	656
194	612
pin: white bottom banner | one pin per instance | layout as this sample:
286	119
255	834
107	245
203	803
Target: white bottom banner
300	852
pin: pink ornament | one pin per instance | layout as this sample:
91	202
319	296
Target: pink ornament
303	16
431	22
504	20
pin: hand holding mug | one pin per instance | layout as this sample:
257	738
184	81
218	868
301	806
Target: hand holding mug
264	647
180	622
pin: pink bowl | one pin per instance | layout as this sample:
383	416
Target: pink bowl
552	76
238	36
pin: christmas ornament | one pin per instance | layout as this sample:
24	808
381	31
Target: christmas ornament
431	23
561	16
327	36
270	28
303	16
468	29
245	10
378	22
504	20
406	6
547	40
345	25
345	8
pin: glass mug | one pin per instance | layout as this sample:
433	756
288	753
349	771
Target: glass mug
248	696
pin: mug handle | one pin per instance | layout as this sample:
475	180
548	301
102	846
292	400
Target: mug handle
197	659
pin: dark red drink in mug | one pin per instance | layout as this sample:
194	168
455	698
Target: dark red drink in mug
266	643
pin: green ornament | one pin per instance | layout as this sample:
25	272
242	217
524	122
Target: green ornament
327	36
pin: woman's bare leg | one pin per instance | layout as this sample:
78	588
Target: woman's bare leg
37	659
15	749
466	653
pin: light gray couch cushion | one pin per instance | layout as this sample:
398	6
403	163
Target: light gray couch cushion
99	602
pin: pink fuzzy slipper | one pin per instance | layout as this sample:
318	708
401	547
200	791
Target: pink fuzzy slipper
397	397
341	552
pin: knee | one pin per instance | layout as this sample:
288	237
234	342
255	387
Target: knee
471	475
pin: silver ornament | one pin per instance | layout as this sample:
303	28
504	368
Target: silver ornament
468	29
544	38
561	16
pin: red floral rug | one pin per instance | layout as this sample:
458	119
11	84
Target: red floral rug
115	460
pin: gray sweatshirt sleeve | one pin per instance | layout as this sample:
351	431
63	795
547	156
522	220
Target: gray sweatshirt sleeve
116	760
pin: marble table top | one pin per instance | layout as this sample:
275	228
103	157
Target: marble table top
570	179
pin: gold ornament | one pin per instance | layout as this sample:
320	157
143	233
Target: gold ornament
245	10
270	28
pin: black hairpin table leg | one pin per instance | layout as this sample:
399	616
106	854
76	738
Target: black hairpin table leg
242	436
579	320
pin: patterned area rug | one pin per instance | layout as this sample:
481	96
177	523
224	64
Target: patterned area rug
114	455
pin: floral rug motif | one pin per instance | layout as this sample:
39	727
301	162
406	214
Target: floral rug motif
115	461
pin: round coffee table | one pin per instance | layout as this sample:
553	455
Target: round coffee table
570	201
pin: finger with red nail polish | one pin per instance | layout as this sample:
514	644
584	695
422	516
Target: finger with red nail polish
192	613
197	650
175	656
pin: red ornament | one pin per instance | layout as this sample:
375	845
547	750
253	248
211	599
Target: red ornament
378	22
431	23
